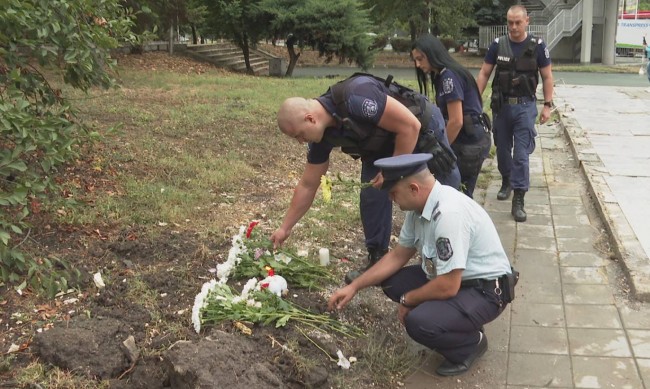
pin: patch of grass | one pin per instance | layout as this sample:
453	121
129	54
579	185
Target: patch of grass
187	144
340	214
387	358
485	177
36	374
597	68
139	291
6	362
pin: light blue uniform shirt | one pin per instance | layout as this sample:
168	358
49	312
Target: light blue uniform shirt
454	232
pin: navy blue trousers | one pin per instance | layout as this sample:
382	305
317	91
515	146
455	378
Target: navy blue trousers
514	137
451	327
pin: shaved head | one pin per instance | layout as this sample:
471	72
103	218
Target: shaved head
517	9
292	113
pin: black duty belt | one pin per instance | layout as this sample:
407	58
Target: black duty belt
518	100
478	283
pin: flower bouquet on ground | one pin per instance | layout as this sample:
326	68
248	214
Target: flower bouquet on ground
217	302
252	254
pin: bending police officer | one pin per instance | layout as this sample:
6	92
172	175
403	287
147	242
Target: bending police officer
368	120
518	57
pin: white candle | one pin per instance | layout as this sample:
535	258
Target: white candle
324	256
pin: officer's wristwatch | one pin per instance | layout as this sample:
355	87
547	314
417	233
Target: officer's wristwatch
402	301
548	104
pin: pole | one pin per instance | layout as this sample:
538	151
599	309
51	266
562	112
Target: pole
171	38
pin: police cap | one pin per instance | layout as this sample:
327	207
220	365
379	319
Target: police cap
401	166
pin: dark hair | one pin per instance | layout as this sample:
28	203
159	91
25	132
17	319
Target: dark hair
439	58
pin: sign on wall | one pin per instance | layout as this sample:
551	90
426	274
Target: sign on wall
630	33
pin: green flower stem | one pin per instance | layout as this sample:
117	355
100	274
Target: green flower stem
332	359
273	310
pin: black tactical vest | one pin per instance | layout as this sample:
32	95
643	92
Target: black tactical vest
516	76
363	139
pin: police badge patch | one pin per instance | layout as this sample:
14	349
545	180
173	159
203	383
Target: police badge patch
443	247
369	108
429	267
447	86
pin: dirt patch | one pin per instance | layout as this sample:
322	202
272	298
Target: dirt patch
384	58
162	61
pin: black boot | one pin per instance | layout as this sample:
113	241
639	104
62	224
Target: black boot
518	206
374	255
505	190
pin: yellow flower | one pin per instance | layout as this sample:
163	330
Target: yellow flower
326	187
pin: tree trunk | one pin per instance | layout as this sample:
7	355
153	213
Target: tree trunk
413	30
293	58
171	39
246	50
194	37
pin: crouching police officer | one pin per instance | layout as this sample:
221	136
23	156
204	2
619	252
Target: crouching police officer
369	118
465	279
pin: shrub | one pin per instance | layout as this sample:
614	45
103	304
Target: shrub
448	42
39	132
380	42
401	44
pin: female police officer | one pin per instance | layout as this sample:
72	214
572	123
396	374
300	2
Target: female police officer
457	96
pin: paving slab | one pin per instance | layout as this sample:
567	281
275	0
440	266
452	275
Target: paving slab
603	372
599	342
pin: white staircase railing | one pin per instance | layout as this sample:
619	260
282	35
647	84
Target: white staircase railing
549	12
565	23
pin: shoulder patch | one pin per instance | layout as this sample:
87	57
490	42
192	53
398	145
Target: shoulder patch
447	86
369	108
443	247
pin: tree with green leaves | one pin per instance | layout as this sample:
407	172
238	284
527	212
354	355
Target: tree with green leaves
337	28
41	43
196	16
439	17
238	20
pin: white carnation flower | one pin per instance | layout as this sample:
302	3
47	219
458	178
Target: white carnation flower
200	302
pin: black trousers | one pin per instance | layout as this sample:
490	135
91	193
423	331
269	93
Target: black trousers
451	327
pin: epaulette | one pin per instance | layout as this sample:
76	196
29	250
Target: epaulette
436	212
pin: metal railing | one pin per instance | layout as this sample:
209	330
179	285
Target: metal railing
564	24
487	34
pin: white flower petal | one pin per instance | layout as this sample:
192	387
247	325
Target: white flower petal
343	362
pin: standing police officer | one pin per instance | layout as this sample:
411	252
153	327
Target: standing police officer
518	57
461	282
364	117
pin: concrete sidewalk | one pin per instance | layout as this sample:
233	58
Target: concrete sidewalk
609	130
572	324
